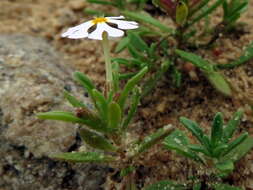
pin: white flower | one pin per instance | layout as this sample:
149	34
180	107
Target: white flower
94	29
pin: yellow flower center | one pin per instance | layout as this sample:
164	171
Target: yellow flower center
99	20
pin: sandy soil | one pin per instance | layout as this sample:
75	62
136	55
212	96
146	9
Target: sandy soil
196	99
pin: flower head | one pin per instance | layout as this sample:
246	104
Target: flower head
95	28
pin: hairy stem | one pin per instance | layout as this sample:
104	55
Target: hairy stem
108	65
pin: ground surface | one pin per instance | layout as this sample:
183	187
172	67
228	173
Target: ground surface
196	99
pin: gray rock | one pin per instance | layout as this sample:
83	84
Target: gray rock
32	78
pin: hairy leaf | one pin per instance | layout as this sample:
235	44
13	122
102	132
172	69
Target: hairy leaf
129	87
238	152
179	142
96	141
193	127
166	184
73	100
232	125
114	116
217	129
83	157
154	138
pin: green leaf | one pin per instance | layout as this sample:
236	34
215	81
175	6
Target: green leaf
236	142
181	13
135	53
219	150
114	116
238	152
166	185
73	101
129	86
179	142
124	172
198	8
102	2
193	127
122	45
247	55
61	116
123	61
135	99
176	76
198	148
219	83
115	73
83	80
126	76
154	138
101	104
139	63
96	141
70	117
225	167
217	129
225	187
233	10
152	50
206	12
145	18
137	42
207	143
151	83
195	60
232	125
215	78
225	9
197	186
83	157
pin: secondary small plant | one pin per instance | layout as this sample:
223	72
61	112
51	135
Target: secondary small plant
104	127
217	152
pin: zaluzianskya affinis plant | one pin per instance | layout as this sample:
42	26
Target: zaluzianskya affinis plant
219	150
104	127
185	13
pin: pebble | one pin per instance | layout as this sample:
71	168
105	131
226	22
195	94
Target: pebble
77	5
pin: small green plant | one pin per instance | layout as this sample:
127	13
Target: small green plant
104	127
156	49
219	150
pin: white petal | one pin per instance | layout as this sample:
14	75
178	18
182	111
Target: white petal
97	33
125	25
112	32
80	31
115	17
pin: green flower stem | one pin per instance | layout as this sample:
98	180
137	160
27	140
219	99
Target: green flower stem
108	65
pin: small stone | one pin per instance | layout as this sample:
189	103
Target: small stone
77	5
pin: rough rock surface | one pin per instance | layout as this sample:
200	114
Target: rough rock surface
32	78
